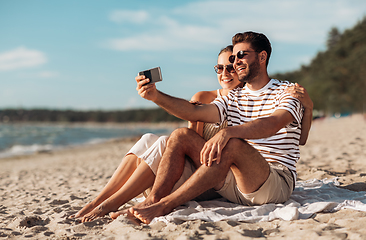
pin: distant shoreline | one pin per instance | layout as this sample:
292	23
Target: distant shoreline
21	139
103	124
153	115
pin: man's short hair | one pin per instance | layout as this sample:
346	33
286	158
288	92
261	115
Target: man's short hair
258	41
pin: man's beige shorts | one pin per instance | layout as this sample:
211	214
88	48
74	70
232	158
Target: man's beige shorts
276	189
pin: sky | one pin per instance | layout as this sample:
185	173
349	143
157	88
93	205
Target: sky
85	54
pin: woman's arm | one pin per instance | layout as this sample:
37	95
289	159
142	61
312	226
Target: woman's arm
300	93
196	126
203	97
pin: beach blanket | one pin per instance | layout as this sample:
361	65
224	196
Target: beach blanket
308	198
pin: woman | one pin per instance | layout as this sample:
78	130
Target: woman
138	168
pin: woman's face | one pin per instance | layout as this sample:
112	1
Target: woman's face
227	79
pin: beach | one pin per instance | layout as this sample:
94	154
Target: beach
40	191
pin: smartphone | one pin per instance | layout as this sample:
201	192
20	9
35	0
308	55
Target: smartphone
154	74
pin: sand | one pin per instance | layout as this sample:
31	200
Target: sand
38	192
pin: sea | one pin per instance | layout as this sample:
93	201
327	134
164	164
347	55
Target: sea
28	138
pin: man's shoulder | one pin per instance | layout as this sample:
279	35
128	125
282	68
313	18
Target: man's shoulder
281	83
278	86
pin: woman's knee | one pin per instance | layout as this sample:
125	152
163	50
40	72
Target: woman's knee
149	137
163	139
131	160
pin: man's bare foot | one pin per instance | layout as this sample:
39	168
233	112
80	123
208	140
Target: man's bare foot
147	202
95	213
148	213
86	209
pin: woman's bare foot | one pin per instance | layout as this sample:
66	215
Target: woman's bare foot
115	215
96	213
86	209
127	214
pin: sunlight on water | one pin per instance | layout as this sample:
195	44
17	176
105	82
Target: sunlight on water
18	139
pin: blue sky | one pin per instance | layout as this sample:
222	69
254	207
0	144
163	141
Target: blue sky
85	54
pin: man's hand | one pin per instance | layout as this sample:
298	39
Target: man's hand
148	91
212	149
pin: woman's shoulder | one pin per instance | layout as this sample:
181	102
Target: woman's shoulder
205	96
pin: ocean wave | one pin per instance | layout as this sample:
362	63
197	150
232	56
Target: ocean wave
23	139
24	150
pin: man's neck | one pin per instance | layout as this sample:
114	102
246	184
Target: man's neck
259	82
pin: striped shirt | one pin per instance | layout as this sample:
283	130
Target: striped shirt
242	105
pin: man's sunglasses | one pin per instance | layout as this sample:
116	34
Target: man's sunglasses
239	55
219	68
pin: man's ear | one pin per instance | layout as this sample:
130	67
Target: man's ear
263	56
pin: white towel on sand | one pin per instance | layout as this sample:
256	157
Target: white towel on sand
308	198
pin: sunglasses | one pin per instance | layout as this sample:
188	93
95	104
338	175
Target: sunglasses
219	68
239	55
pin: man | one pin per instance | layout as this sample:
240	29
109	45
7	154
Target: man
252	161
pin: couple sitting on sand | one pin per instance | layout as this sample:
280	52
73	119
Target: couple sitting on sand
242	142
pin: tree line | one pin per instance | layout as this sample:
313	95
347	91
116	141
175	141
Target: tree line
45	115
336	78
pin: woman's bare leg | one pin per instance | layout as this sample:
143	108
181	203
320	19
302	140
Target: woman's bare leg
125	169
141	179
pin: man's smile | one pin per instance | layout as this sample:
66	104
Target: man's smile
241	68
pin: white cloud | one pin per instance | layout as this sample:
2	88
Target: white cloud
286	20
48	74
129	16
141	42
169	35
21	57
38	74
205	24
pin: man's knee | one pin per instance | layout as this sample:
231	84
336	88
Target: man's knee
241	154
234	144
181	134
238	148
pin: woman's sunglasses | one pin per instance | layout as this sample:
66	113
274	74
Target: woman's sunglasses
219	68
239	55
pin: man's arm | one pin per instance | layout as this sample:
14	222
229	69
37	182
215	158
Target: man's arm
262	127
178	107
259	128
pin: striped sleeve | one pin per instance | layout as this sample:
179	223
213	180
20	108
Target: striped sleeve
292	105
221	104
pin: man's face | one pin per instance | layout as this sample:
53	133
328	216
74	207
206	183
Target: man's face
247	67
